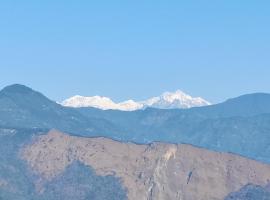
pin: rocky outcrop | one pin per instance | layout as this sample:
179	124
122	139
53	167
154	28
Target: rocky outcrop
157	171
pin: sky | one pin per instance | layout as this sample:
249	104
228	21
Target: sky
136	49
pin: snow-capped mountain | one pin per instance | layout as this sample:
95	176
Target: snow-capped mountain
100	102
167	100
177	99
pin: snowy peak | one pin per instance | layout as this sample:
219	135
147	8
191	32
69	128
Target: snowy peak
178	99
100	102
95	101
167	100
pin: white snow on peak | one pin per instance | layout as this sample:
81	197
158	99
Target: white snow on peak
130	105
167	100
100	102
178	99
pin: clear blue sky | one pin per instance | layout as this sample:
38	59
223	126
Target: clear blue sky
136	49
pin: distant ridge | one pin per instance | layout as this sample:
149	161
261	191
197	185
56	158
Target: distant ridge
244	105
23	107
167	100
16	88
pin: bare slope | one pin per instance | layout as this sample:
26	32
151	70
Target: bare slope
158	171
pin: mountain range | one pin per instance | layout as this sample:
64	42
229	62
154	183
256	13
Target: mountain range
213	152
167	100
240	125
